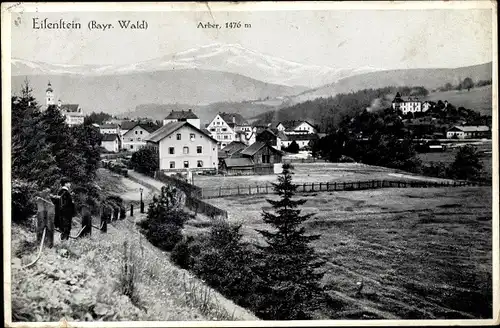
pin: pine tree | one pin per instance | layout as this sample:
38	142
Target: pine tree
467	164
31	157
291	270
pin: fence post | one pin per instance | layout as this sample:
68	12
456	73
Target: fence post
257	189
267	189
312	187
249	190
86	222
131	209
304	187
335	186
328	186
343	187
320	186
238	190
45	219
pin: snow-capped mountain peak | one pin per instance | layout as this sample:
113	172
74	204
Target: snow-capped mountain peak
233	58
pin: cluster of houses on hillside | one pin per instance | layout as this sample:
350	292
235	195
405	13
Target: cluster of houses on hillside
414	105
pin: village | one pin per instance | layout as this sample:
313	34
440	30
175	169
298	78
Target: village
230	145
255	165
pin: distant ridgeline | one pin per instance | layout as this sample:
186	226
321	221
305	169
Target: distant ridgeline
328	112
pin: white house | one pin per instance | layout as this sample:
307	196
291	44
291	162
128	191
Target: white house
109	129
412	105
295	127
302	139
180	116
135	138
468	132
228	127
111	142
182	147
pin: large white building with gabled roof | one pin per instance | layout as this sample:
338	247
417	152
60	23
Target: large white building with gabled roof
183	147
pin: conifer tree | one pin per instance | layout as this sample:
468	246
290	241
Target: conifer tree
31	157
291	270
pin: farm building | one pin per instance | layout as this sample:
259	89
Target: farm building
111	142
468	132
258	158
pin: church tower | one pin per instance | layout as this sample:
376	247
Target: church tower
49	95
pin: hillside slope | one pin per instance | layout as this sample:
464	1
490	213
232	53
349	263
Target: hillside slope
430	78
121	93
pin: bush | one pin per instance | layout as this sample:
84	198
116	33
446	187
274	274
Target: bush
23	205
185	252
164	235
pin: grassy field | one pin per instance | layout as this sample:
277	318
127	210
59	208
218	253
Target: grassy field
421	253
448	157
478	99
309	172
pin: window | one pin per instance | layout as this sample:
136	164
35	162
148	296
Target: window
199	164
171	150
172	165
178	136
186	164
135	132
199	150
139	139
224	129
191	136
131	146
265	158
140	132
225	137
212	129
185	150
131	139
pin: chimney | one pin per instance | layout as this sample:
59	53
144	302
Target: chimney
59	103
190	110
234	119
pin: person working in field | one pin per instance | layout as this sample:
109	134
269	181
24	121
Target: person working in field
66	209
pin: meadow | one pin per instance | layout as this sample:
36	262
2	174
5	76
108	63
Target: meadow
312	172
419	253
478	99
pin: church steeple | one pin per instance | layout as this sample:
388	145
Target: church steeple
49	95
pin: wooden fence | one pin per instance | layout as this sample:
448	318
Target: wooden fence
193	196
187	188
329	186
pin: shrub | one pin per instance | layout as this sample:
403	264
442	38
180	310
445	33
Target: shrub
226	263
164	235
22	200
185	252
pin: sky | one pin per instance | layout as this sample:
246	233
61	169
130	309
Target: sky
387	39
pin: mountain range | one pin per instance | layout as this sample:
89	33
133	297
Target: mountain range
217	77
231	58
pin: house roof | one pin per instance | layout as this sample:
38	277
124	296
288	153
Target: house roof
234	147
302	136
238	162
127	125
170	128
292	125
178	115
109	126
109	137
70	107
238	119
255	147
481	128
